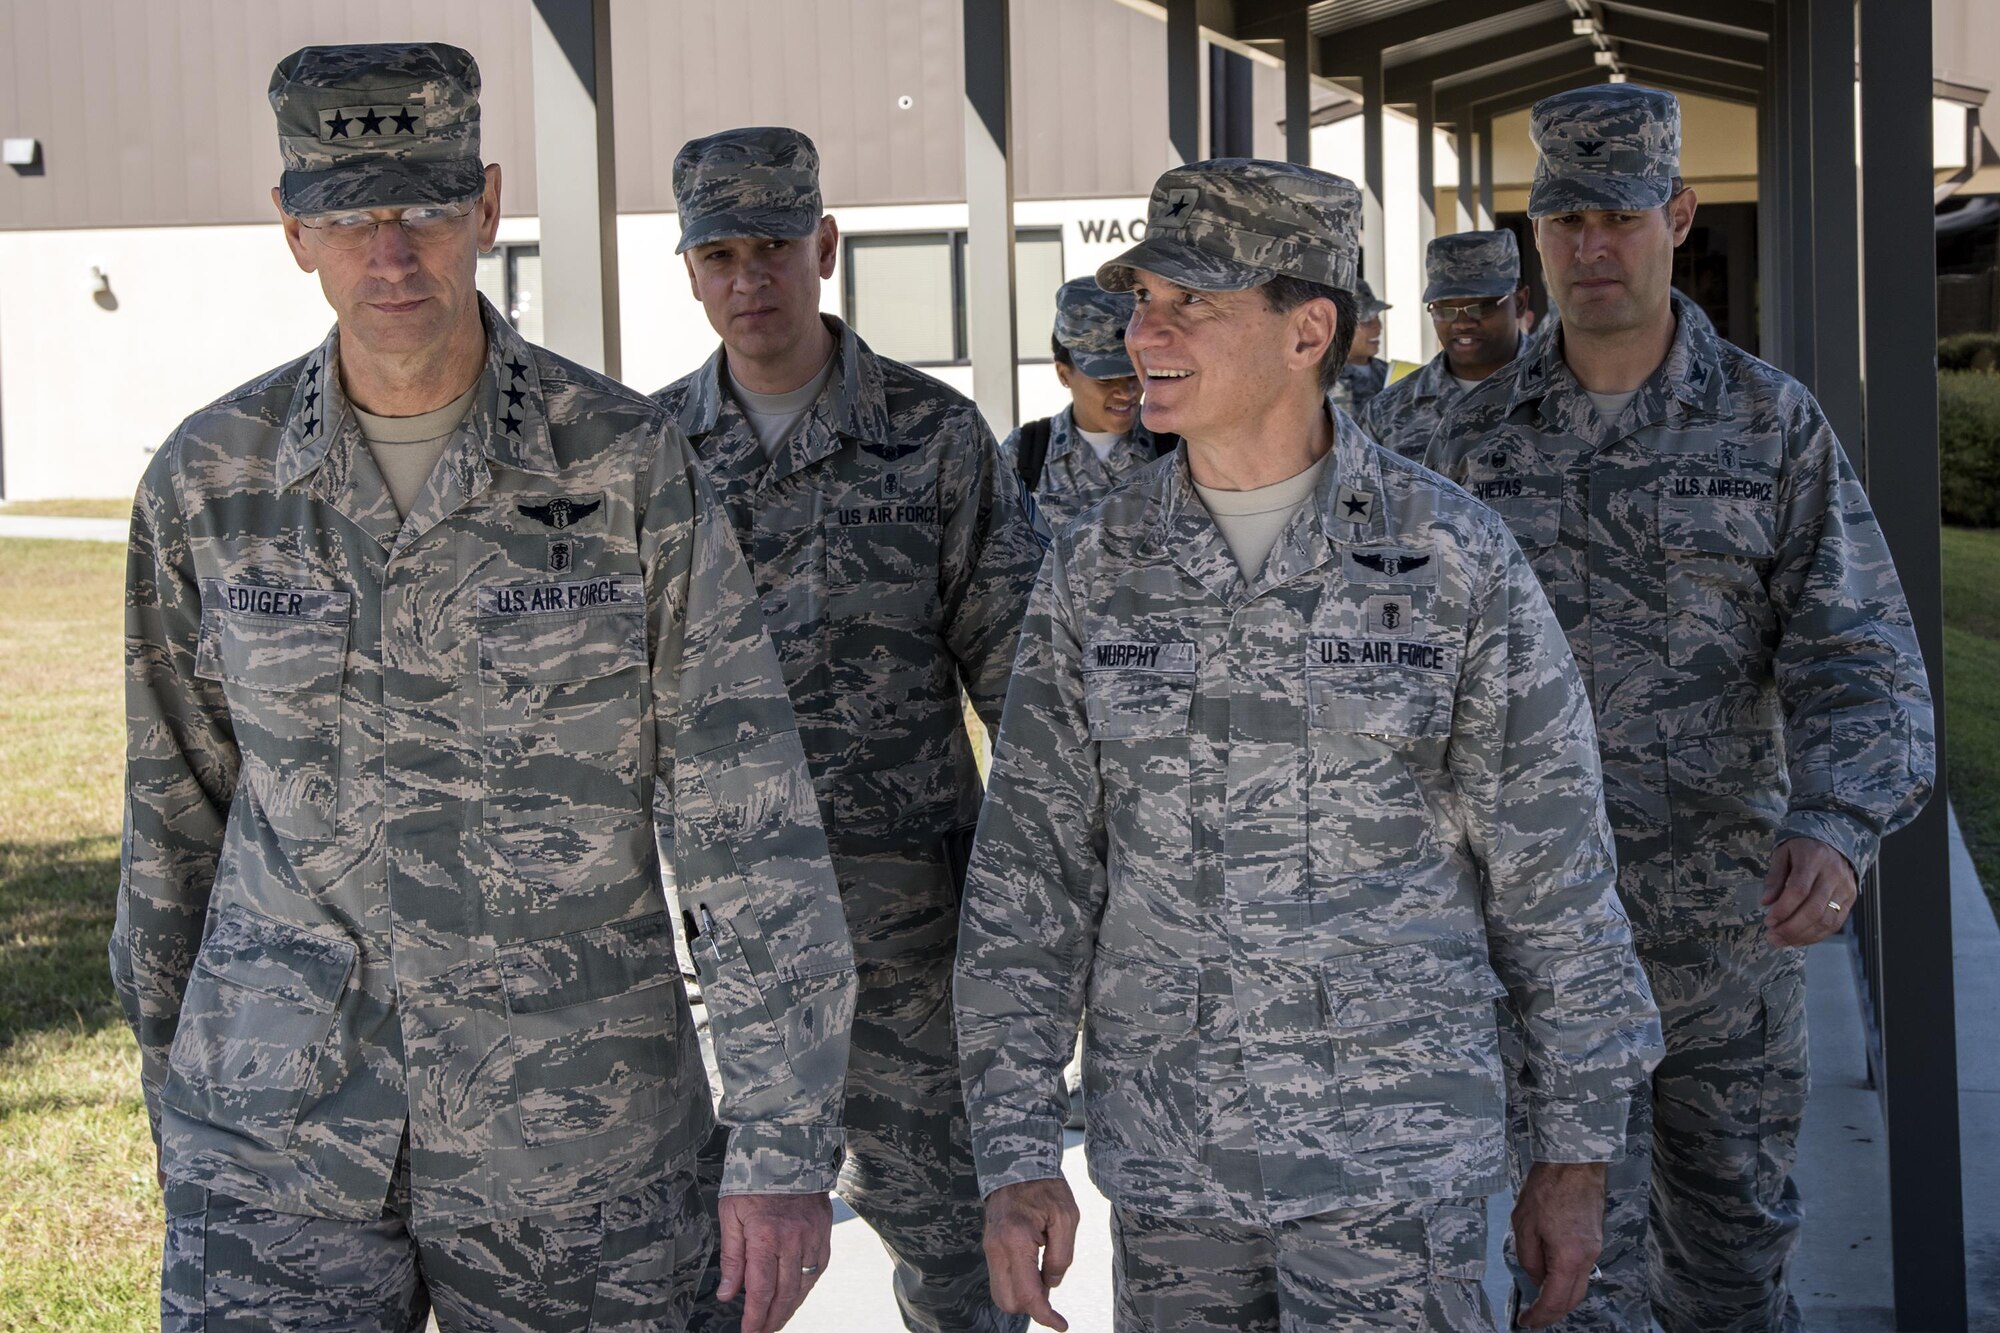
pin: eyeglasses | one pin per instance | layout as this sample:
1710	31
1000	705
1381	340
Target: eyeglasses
1447	313
422	224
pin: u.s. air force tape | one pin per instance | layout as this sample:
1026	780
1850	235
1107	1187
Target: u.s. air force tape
1174	658
1383	655
528	599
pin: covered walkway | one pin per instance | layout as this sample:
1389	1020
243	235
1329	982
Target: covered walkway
1841	91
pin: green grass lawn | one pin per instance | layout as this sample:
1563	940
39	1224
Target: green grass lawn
85	508
1972	692
79	1213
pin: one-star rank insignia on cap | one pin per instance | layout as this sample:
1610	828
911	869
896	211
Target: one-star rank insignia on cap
1180	203
1352	506
561	511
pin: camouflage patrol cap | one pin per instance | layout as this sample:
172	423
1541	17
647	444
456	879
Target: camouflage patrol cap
1472	263
758	181
1367	305
1235	222
381	125
1613	147
1090	325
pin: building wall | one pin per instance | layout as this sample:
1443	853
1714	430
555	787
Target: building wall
91	392
153	112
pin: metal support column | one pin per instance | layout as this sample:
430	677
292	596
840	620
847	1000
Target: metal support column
1466	204
1427	227
576	180
1183	81
1482	130
1801	199
989	198
1913	917
1836	256
1299	50
1373	224
1231	123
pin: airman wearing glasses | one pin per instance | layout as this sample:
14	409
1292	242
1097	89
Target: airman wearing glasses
1475	296
423	628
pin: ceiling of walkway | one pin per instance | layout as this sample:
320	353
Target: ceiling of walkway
1479	58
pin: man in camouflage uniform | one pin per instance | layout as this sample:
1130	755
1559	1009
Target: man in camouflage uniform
1098	440
894	553
1474	295
1285	824
1365	373
1761	705
390	928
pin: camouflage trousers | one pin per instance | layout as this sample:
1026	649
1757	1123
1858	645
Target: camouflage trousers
1701	1214
909	1172
627	1264
1403	1266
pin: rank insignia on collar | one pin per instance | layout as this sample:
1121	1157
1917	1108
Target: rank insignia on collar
1352	506
561	511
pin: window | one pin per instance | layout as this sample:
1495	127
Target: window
905	293
510	276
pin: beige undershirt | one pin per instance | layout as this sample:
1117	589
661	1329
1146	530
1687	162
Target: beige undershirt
407	449
1611	405
1251	521
774	416
1101	442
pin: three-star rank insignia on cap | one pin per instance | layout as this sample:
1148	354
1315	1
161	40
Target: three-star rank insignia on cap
369	122
560	512
1352	506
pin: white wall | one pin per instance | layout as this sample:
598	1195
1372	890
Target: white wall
87	394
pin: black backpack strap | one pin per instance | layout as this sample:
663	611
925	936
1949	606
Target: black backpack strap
1033	451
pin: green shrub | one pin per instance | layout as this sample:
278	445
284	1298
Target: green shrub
1969	447
1969	351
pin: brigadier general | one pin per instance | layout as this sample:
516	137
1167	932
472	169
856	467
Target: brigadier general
894	552
1295	778
1761	705
1474	295
1072	460
421	629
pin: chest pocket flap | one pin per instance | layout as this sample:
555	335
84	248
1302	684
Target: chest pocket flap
1731	516
1135	689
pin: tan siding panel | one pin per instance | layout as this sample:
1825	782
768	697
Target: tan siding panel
153	112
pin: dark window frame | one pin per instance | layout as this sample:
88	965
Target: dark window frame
955	237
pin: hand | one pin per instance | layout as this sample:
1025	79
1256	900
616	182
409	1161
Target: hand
768	1241
1036	1215
1558	1234
1808	893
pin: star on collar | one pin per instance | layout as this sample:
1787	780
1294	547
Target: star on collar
517	370
1354	506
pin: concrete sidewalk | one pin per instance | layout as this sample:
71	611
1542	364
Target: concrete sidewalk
66	529
1842	1275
